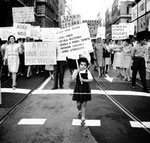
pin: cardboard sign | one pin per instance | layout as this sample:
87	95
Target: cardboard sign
49	34
40	53
70	20
23	14
5	32
119	32
101	32
22	30
93	26
74	40
35	32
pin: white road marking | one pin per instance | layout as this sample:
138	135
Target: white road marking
33	121
77	122
17	90
111	92
44	83
135	124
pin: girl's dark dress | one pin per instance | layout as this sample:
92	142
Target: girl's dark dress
82	88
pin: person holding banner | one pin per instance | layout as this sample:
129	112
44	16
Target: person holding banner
82	91
12	58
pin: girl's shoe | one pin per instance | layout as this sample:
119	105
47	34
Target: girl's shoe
128	79
14	86
80	115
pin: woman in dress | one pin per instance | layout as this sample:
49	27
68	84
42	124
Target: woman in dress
99	56
118	57
12	58
126	64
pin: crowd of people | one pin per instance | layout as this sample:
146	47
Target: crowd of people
128	57
124	56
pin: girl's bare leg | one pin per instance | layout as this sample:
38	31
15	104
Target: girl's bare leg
83	113
79	109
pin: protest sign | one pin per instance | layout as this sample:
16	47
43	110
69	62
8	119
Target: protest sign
23	14
22	30
70	20
93	26
119	32
5	32
49	34
40	53
74	40
35	32
101	32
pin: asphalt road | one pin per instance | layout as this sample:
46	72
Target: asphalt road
123	113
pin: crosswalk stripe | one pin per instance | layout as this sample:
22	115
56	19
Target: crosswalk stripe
111	92
17	90
44	83
33	121
136	124
77	122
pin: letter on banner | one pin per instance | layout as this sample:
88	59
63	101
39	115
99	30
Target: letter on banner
74	40
40	53
23	14
22	30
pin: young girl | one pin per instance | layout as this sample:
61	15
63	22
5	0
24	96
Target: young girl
82	91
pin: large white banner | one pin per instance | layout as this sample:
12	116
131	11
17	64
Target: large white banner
49	34
119	32
5	32
74	40
40	53
22	30
23	14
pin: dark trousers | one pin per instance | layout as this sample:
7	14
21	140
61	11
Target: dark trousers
112	58
22	63
59	71
139	65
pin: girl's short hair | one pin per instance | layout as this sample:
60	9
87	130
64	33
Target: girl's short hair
11	36
83	59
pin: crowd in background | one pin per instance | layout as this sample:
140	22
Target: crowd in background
124	56
128	57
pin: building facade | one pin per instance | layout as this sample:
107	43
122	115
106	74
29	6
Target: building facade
141	18
120	12
47	12
108	23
